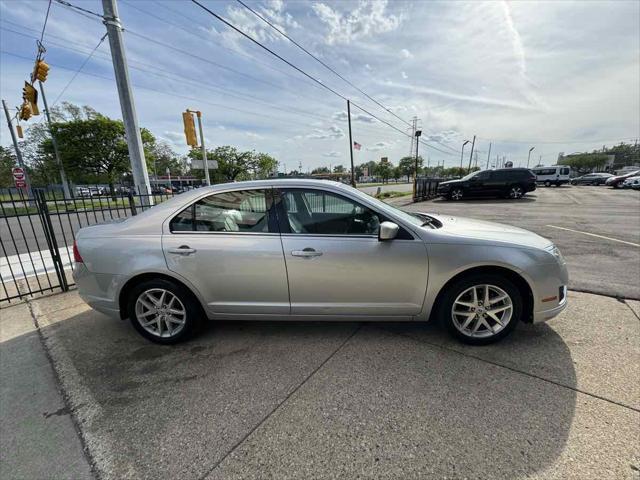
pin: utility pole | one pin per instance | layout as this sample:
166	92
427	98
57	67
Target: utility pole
129	117
27	181
488	156
63	175
353	174
473	144
204	150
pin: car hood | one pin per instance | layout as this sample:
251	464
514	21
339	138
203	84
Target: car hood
449	182
467	230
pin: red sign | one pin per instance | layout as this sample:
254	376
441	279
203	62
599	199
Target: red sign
19	177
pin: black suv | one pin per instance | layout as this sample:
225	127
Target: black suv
505	182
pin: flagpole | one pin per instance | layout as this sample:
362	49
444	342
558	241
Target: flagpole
353	176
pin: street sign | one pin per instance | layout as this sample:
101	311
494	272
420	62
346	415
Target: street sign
18	173
199	164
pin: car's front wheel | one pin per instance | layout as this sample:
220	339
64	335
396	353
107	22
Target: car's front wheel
456	194
481	309
163	311
548	183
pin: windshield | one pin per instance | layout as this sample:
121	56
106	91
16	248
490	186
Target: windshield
471	175
413	218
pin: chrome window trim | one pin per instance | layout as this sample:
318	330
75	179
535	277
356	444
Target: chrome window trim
230	190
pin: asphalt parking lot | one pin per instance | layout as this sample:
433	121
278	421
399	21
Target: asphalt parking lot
83	396
596	228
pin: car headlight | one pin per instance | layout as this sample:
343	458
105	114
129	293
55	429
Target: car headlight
555	251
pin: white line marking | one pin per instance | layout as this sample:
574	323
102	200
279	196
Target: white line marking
595	235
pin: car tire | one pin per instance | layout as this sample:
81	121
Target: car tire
178	313
454	323
573	183
456	194
618	185
547	183
515	192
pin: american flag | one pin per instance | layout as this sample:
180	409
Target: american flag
357	146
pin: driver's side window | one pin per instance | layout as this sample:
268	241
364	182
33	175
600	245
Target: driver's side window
318	212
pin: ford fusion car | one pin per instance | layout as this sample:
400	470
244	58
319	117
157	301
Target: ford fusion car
314	250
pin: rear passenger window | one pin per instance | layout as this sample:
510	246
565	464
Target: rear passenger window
241	211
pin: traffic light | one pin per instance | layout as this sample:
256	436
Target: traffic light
30	96
189	129
25	111
19	130
41	70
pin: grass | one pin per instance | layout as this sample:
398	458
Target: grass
393	194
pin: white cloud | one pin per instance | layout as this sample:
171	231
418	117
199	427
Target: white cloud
404	53
332	132
332	154
174	137
379	146
355	117
254	136
368	18
404	75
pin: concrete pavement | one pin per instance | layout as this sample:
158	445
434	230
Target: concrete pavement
295	400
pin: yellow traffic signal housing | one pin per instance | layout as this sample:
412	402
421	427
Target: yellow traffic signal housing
19	130
41	70
189	129
25	111
30	96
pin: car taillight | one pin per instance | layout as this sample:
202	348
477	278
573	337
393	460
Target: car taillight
76	254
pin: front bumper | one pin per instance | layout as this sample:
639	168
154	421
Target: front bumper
544	315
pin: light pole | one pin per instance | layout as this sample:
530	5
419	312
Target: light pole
462	153
529	157
415	172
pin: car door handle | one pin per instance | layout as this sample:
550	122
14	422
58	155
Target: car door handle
306	253
183	250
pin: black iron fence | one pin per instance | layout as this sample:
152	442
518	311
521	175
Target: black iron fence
36	236
426	188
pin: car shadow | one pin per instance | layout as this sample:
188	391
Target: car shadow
488	201
416	398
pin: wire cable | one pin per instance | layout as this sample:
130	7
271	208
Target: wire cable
44	26
79	9
320	61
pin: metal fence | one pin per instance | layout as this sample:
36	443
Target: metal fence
426	188
36	236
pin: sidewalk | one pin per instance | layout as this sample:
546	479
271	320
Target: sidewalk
322	400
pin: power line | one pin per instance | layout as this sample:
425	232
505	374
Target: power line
298	69
320	61
44	26
79	9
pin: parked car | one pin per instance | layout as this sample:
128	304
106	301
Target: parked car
314	250
618	180
83	192
591	179
505	182
555	175
631	181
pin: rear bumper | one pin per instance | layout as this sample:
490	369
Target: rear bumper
97	290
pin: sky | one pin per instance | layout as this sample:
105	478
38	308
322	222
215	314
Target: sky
557	76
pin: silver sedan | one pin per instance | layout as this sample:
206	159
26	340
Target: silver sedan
314	250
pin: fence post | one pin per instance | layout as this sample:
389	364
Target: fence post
50	236
132	203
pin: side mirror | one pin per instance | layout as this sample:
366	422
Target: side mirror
388	231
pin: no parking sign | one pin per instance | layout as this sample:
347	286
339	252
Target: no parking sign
19	177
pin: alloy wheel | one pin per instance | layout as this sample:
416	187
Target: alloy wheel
457	194
160	312
515	192
482	311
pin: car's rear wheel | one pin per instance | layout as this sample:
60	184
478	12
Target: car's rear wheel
547	183
515	192
163	311
456	194
481	309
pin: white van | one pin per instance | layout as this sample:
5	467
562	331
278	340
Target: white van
554	175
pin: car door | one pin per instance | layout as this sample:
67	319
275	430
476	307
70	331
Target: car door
337	266
228	246
479	185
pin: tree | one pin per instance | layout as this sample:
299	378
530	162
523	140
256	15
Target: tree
408	165
7	163
235	165
338	169
265	165
320	170
397	173
585	162
385	170
160	157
